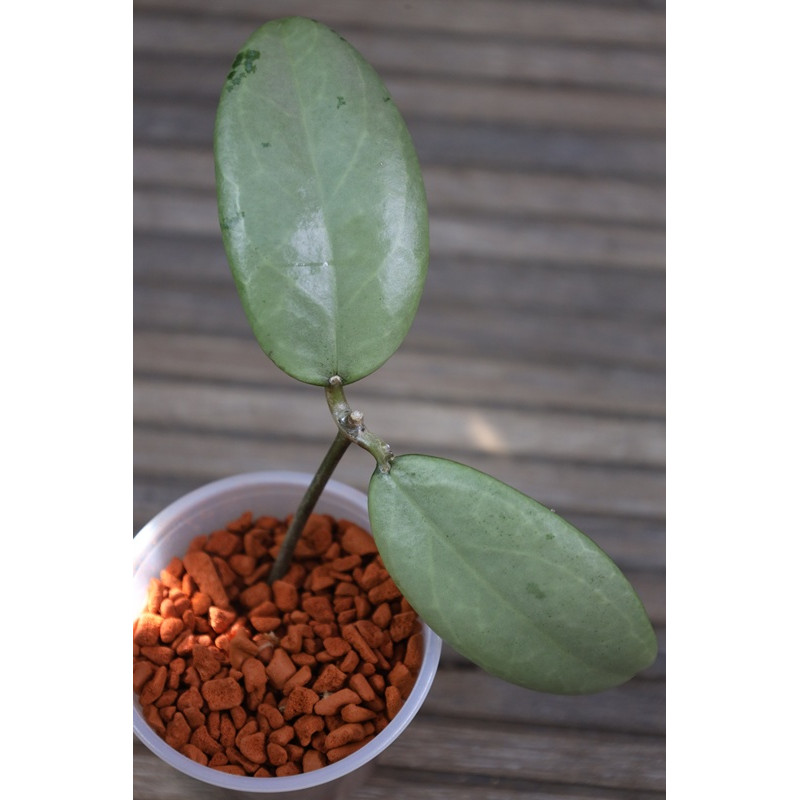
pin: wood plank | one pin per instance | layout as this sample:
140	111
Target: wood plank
451	99
517	148
543	337
539	286
573	244
597	22
568	488
518	194
549	337
530	753
408	423
419	785
506	147
487	382
470	190
489	283
155	780
569	243
574	109
636	707
619	68
423	52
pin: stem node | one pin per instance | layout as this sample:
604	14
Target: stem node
351	423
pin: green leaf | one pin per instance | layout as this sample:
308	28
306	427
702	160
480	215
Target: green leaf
506	581
321	203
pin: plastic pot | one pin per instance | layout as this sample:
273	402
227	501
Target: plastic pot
208	508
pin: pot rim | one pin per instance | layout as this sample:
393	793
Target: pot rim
193	504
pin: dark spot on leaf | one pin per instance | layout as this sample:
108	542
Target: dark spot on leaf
533	589
226	223
340	101
244	64
265	144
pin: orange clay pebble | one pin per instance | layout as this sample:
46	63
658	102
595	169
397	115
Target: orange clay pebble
382	615
203	572
272	715
300	678
284	595
148	629
333	702
394	701
300	701
356	540
222	543
338	753
282	736
414	651
220	619
280	668
313	759
370	632
354	713
306	726
401	677
222	693
353	636
176	669
153	688
254	747
169	629
276	754
402	625
178	731
345	734
195	753
387	590
253	678
335	646
158	654
362	686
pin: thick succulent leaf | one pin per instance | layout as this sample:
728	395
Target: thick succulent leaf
321	202
506	581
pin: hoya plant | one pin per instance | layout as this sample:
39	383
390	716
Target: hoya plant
324	219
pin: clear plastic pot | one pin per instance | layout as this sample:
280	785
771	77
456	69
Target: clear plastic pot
208	508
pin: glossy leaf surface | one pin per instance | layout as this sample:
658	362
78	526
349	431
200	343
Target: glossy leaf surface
321	202
505	581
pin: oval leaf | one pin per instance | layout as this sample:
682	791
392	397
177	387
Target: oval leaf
321	203
506	581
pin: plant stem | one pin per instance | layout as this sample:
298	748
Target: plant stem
312	494
350	428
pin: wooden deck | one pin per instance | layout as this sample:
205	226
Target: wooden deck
537	354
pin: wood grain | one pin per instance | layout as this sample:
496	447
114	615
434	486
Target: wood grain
538	353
